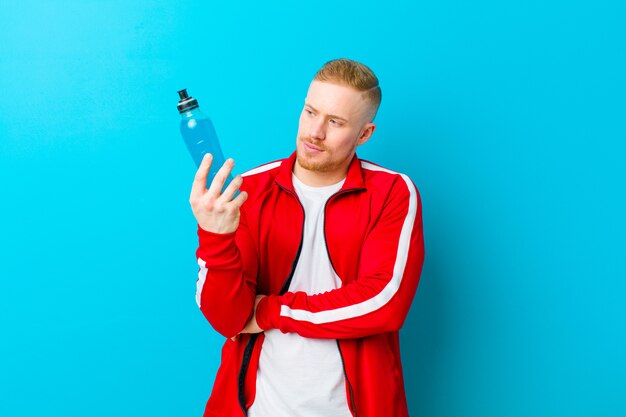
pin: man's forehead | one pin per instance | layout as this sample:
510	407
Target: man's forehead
335	98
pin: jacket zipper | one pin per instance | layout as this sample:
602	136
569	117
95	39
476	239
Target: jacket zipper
343	364
243	370
287	282
248	350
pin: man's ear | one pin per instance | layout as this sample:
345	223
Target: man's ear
366	133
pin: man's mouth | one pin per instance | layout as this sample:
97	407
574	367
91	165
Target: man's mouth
312	148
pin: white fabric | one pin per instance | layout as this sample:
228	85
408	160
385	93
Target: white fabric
297	376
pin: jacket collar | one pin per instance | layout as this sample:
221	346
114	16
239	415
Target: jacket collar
354	177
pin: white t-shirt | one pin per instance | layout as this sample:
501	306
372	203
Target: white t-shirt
298	376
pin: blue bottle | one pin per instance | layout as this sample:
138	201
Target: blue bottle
199	135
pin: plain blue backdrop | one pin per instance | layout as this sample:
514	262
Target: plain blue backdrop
509	117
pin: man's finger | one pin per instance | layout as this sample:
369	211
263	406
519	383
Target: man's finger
240	199
199	182
232	188
215	189
234	338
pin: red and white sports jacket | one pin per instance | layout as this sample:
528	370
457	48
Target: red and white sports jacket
374	237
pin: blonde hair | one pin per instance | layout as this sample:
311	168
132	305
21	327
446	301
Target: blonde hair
355	75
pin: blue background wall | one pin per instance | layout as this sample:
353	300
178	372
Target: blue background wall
509	117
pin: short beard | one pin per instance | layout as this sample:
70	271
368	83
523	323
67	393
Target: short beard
324	166
309	165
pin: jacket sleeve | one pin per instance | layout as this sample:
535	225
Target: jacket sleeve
379	298
226	285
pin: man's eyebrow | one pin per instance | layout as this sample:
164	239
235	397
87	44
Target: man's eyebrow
332	116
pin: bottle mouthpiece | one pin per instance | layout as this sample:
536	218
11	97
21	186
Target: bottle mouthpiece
186	103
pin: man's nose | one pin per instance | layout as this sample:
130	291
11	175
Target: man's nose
317	129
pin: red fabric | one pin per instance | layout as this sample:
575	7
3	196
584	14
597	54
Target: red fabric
366	223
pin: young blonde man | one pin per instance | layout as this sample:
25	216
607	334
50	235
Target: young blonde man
310	271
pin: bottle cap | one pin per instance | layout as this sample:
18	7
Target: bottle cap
186	103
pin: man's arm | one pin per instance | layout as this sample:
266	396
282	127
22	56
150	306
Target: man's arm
379	299
226	285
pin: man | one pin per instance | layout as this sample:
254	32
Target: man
310	271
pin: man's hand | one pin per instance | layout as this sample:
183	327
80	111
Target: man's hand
251	326
215	211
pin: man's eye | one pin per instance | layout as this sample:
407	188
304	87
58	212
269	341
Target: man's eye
335	122
309	112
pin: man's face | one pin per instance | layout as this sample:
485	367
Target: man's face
334	121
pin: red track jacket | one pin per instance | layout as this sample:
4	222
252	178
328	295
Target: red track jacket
374	237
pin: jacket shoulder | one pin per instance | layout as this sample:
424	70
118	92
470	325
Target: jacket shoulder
385	180
259	179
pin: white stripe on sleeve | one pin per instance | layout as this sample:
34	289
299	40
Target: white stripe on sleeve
200	282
